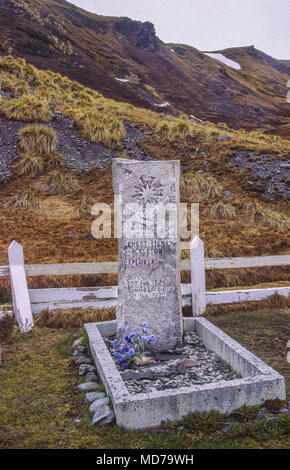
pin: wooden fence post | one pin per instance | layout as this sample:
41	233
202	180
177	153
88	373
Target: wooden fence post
20	295
197	276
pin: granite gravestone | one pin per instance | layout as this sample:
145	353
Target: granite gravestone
147	215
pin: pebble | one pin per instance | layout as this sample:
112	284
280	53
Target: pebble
192	364
223	138
85	368
78	350
83	360
103	416
77	342
88	386
98	404
92	396
91	377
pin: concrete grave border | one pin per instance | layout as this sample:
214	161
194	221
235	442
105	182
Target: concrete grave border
259	382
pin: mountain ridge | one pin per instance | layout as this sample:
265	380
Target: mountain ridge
98	50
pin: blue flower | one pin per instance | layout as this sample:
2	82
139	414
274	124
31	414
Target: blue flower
125	365
115	343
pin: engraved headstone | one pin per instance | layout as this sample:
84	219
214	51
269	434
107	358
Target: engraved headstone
146	219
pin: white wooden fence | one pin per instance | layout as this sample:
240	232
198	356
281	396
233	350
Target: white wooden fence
27	302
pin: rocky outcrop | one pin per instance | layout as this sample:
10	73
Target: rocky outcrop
5	4
141	35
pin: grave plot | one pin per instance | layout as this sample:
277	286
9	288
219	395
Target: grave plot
149	409
214	372
190	364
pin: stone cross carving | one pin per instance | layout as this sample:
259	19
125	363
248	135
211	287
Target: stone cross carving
146	216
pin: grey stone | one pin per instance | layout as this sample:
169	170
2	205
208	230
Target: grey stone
130	375
92	396
170	357
108	420
79	350
99	404
91	377
83	360
100	415
222	138
88	386
149	271
85	368
77	342
226	193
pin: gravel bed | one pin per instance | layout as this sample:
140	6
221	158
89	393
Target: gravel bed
79	154
192	364
272	176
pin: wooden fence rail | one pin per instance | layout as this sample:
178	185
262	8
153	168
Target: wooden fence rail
32	301
66	269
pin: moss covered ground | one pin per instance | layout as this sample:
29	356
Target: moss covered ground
40	404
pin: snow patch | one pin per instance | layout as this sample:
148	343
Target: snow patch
196	118
224	60
162	105
122	80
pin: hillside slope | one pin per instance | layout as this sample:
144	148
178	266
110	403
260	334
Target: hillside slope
97	51
58	139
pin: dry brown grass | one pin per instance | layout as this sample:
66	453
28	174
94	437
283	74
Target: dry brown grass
27	108
197	187
56	183
222	211
73	318
48	228
54	161
30	165
39	140
266	217
275	301
24	200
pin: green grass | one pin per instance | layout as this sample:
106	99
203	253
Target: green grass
40	402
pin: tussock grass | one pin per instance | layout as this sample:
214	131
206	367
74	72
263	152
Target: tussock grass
37	140
180	130
198	150
24	200
30	165
27	108
163	128
222	211
267	217
56	183
96	127
73	318
197	187
54	161
89	109
35	165
86	201
10	83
